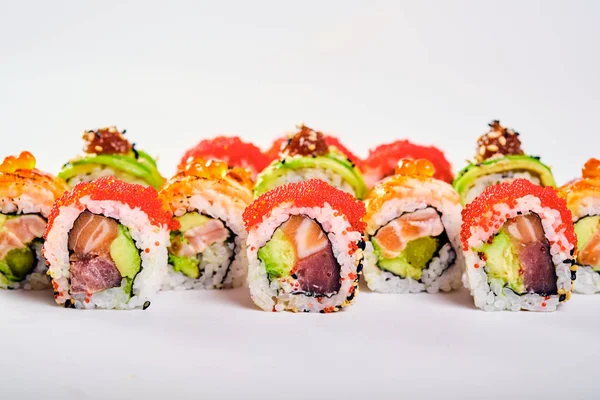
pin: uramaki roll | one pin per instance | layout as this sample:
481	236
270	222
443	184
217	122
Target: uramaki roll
519	246
305	247
208	251
413	227
106	245
26	198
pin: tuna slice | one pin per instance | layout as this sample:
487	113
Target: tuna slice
316	267
91	274
19	231
393	238
533	250
92	268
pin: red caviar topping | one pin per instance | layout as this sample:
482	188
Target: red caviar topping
109	188
478	212
352	276
310	193
230	149
386	156
544	304
273	152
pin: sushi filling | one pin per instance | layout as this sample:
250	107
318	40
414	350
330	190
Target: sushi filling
414	246
102	255
587	230
300	254
518	256
202	245
20	241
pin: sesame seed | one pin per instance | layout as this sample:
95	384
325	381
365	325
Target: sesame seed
98	148
502	140
492	147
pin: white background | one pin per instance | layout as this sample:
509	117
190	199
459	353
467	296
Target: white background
369	72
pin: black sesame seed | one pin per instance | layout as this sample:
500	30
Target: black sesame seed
349	298
146	305
562	297
322	311
573	275
294	276
135	152
359	268
361	244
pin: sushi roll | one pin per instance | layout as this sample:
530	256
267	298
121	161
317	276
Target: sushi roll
519	244
499	159
306	155
106	245
26	198
305	247
109	153
413	232
280	143
231	150
382	160
208	251
583	199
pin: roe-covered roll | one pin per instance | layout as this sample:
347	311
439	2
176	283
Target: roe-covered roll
231	150
109	153
413	232
306	155
305	247
208	251
519	245
106	245
26	198
499	159
583	199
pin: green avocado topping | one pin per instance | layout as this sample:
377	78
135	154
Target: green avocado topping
189	266
333	161
17	264
142	168
413	259
278	255
502	262
467	178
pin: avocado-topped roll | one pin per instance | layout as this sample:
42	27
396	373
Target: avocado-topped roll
231	150
208	250
26	198
382	160
413	226
519	243
499	159
583	199
106	245
306	155
109	153
305	247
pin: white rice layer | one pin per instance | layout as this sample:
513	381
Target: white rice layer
218	269
150	240
303	174
280	294
491	294
485	181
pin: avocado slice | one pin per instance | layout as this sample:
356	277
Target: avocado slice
3	219
585	228
502	262
127	164
189	266
332	161
125	254
192	220
18	263
467	177
413	259
279	255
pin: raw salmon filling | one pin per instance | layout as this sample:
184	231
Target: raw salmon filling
300	253
414	245
202	246
20	236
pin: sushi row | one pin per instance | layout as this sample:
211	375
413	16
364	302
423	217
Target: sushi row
299	224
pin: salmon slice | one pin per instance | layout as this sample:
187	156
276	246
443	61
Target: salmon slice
201	237
306	234
26	227
9	241
533	250
393	238
590	254
91	274
93	234
316	268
